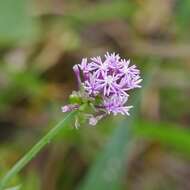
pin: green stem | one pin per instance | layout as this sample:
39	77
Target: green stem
34	150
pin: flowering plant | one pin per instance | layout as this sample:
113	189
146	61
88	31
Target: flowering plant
103	88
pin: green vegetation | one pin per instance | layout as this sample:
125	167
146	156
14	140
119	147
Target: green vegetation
39	44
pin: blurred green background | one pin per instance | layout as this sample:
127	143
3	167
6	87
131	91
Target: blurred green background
40	41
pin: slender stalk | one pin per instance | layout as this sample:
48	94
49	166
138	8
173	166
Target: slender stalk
35	150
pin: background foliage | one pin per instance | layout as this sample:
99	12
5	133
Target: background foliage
40	41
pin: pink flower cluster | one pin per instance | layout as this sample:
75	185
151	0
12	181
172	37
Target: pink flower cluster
109	80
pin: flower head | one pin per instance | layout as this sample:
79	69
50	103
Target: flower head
116	105
104	85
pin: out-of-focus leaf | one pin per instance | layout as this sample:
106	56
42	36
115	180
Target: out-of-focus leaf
25	83
101	12
32	181
14	188
183	14
15	22
170	99
167	134
106	172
